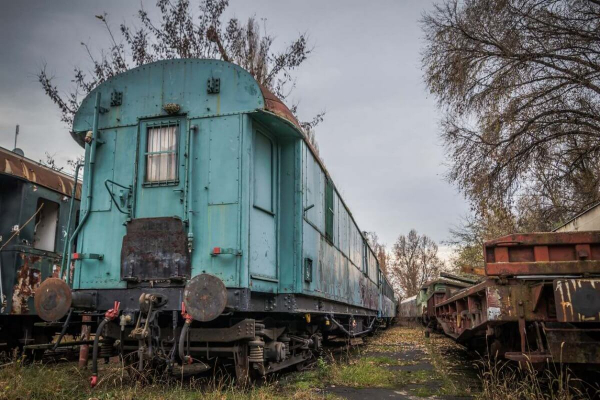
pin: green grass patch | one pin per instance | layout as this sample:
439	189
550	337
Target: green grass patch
66	382
361	373
424	391
384	361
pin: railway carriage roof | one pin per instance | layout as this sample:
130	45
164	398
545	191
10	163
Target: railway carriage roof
446	281
23	168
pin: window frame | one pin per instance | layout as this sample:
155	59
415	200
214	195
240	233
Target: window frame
329	210
274	161
147	126
366	250
56	205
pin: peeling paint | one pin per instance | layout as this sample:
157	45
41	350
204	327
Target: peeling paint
582	302
28	280
3	306
493	313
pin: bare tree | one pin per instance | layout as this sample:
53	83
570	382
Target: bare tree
415	261
468	237
79	160
519	81
50	162
180	34
380	251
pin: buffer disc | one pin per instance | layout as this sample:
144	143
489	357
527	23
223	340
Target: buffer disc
205	297
52	299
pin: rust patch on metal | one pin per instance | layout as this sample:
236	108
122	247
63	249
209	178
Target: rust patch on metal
53	299
155	249
368	293
205	297
577	300
276	106
543	254
28	280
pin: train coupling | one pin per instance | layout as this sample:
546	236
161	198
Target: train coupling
113	312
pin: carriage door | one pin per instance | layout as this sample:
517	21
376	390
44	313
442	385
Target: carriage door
161	168
263	218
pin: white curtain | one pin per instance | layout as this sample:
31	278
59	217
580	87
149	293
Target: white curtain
163	166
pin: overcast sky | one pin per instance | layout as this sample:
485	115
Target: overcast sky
380	136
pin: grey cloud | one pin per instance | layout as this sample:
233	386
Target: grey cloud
380	136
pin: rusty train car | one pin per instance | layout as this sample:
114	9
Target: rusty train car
210	228
539	302
435	291
35	209
421	307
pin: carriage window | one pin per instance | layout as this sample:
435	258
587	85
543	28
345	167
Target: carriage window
263	172
46	221
365	269
329	210
161	154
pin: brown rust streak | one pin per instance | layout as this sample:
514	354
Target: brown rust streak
28	280
545	238
55	271
542	268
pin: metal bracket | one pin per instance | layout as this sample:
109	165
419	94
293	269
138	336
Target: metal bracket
88	256
217	251
116	99
124	196
213	85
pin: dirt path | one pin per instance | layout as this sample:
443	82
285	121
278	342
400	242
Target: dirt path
416	367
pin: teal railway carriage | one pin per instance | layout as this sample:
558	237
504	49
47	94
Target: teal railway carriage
210	227
35	209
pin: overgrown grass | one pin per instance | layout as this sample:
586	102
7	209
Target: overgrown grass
453	384
359	372
66	382
380	364
503	380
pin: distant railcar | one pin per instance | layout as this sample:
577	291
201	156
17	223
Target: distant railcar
408	309
416	307
210	228
437	290
35	209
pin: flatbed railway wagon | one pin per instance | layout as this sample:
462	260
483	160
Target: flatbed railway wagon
35	209
540	301
420	306
435	291
210	228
